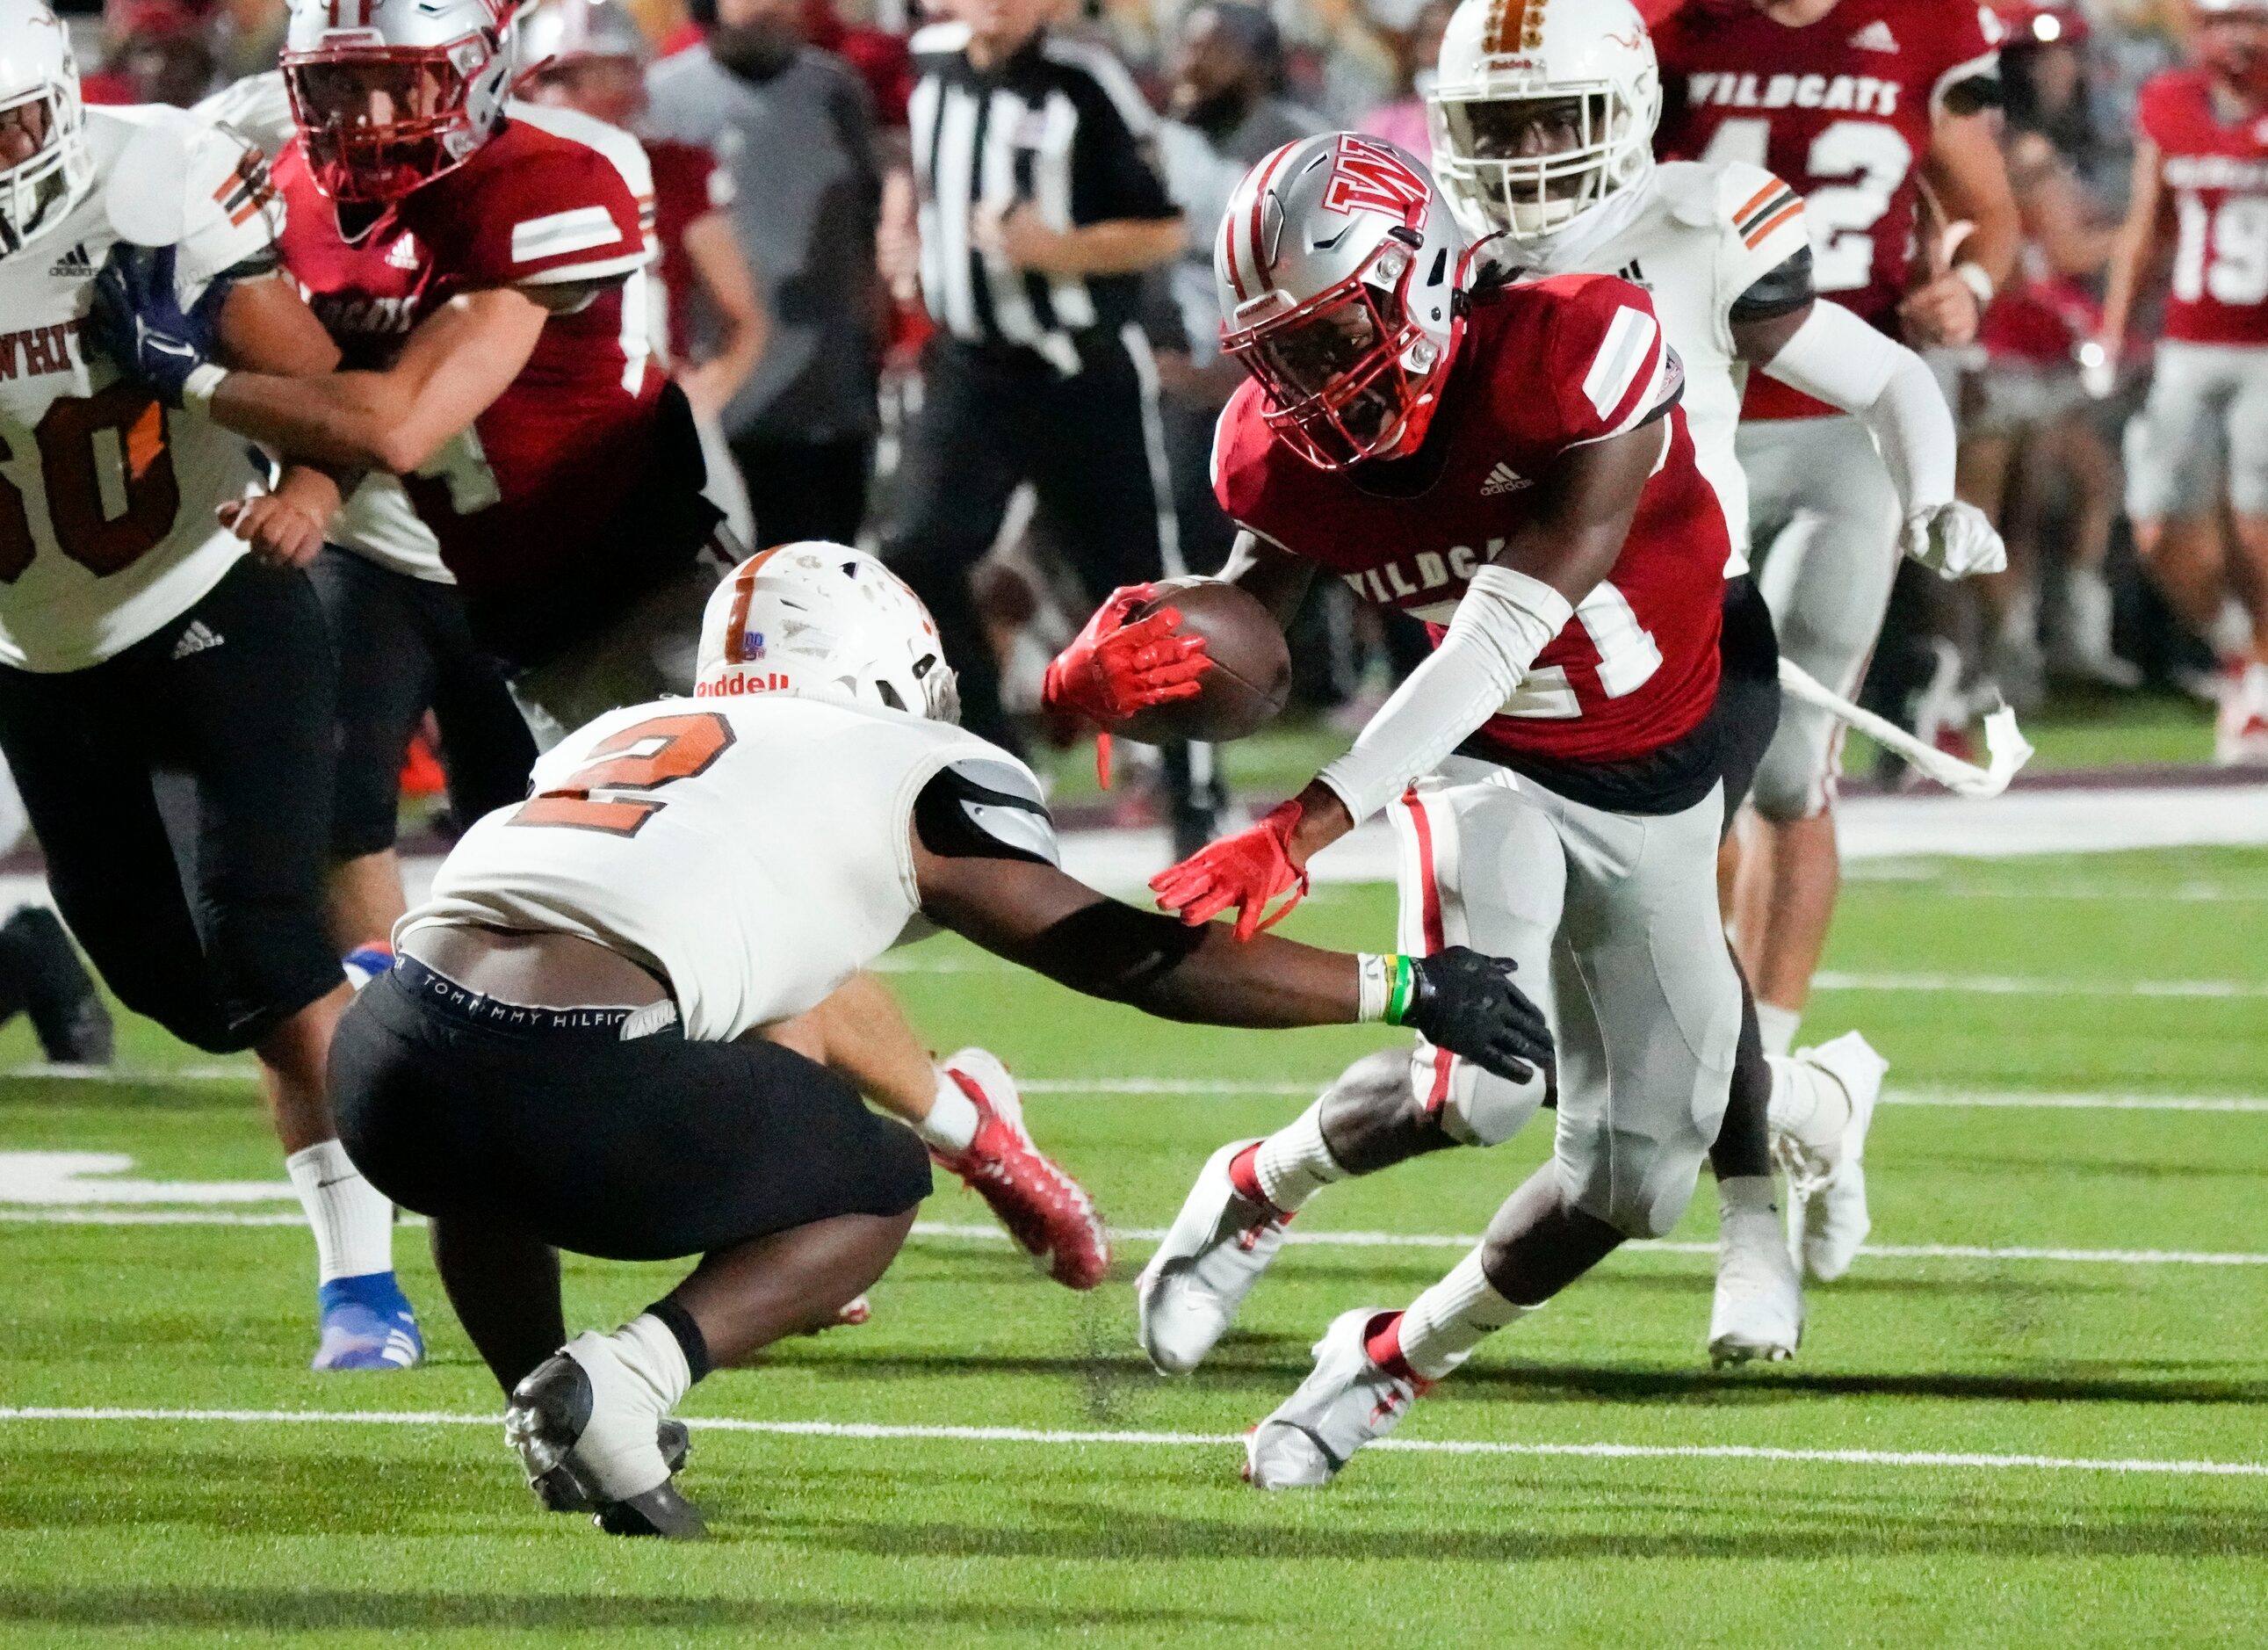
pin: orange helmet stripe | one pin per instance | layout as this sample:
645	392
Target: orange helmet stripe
1515	26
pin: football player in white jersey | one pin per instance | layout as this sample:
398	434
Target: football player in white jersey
165	684
562	1057
1543	145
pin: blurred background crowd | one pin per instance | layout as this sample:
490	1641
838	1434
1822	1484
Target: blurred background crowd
2074	630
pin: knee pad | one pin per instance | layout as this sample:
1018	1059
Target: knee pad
1795	779
1473	1106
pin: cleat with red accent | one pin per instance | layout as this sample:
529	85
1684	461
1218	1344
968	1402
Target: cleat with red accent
2241	730
1044	1209
1214	1253
1346	1402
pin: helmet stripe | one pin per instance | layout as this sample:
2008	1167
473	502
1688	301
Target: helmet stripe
1514	26
744	590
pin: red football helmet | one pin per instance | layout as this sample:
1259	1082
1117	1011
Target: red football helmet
389	94
1336	267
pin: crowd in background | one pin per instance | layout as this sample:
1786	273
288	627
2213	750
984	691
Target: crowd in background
816	168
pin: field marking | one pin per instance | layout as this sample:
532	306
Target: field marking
864	1431
958	1233
2033	985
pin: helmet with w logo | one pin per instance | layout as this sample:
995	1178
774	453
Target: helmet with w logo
389	94
1336	267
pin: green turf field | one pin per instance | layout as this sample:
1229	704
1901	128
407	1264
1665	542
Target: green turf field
2115	976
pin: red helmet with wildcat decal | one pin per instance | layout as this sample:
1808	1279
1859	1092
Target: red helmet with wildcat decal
1337	268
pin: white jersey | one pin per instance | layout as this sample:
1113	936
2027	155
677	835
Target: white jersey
1679	234
755	853
107	497
377	521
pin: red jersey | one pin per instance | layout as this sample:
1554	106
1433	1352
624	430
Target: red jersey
1543	367
2216	170
687	184
1842	109
548	468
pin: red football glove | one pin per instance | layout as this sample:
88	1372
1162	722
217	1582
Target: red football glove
1114	668
1246	871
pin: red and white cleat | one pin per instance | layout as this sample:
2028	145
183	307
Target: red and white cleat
2240	737
1043	1208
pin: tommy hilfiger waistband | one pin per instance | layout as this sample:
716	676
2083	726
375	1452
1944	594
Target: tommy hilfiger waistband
440	995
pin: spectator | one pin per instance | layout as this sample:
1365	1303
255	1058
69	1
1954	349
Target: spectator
248	37
1403	120
795	128
157	54
1036	210
1225	116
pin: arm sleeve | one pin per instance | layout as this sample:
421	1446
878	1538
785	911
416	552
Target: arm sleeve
1504	620
235	212
1846	363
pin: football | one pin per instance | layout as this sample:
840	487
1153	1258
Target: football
1251	673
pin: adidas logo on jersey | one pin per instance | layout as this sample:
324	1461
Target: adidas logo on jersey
1504	479
196	638
402	255
1875	37
73	265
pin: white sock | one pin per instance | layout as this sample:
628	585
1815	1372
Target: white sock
1746	1194
1293	1164
952	1121
353	1220
1777	1026
637	1374
1441	1327
1807	1104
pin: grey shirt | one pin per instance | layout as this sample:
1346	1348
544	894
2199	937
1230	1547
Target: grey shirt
1202	172
800	149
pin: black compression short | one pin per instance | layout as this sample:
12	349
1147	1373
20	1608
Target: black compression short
1748	689
646	1150
182	794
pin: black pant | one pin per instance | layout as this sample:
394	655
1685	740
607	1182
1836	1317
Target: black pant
1748	689
182	792
1092	448
403	647
806	490
646	1150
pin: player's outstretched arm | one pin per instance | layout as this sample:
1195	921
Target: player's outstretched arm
1036	915
2135	251
1965	170
265	326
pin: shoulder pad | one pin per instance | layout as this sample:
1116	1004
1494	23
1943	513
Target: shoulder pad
1691	192
985	807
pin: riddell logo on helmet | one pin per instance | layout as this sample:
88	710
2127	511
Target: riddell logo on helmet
741	681
1370	177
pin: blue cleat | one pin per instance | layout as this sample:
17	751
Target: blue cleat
367	1324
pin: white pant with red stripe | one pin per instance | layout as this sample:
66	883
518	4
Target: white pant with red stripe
1612	919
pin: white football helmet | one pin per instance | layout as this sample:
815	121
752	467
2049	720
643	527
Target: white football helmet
39	104
1493	155
1336	270
824	622
389	94
557	33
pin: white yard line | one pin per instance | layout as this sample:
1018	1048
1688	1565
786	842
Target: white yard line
1050	1436
2033	985
952	1232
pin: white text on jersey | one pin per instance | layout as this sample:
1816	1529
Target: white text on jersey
1861	94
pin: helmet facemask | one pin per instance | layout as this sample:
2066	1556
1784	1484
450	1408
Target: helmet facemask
1349	375
1527	164
377	122
46	126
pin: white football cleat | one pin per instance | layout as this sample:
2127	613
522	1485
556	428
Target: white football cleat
2241	731
1758	1314
1214	1253
1346	1402
1827	1218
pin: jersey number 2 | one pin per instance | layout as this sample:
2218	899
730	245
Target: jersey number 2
642	756
1874	159
74	467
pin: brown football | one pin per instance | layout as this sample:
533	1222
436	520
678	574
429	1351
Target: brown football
1251	673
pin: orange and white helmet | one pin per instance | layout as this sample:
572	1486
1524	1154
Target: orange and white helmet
1500	59
39	99
823	621
1336	270
389	94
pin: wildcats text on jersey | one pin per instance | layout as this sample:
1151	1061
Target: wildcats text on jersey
1860	94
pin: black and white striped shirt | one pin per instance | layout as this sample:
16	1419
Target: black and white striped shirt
1060	125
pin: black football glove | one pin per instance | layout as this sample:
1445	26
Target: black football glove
1467	1003
137	320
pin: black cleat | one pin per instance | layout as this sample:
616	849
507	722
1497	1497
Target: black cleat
545	1420
40	974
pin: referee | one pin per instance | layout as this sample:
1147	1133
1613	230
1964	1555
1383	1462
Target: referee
1037	210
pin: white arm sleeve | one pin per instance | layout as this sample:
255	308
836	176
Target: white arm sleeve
1846	363
1504	620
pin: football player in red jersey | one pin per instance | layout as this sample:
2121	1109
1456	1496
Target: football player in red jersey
481	273
2201	179
1858	104
1510	464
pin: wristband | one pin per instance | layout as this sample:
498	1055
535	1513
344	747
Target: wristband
1974	277
1389	985
197	389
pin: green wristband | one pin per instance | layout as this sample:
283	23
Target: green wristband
1401	987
